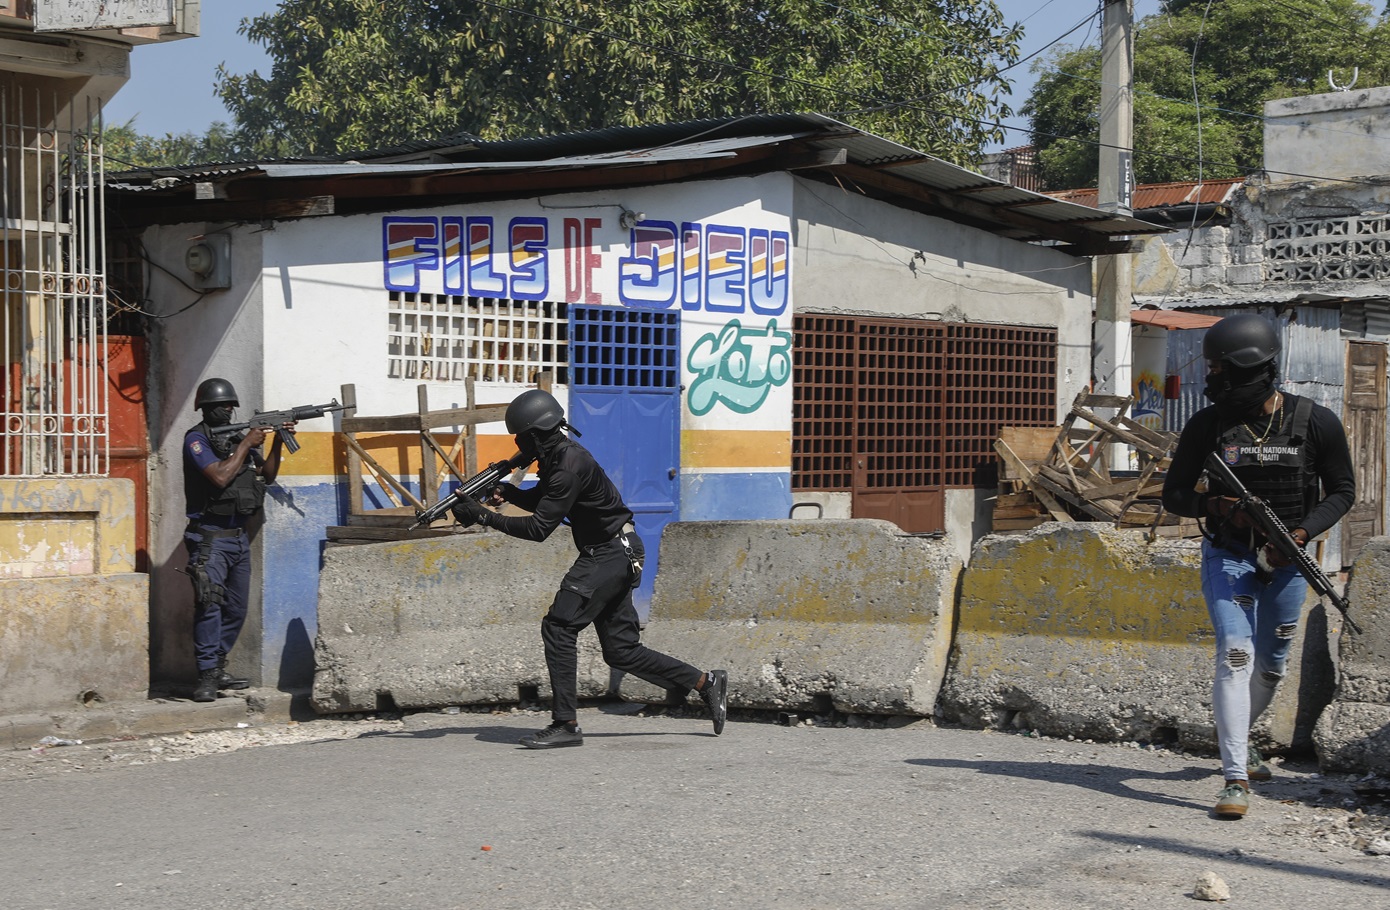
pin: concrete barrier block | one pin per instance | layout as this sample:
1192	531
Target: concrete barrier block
1353	734
806	614
441	621
1085	630
74	640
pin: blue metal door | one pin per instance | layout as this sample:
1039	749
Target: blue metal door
624	397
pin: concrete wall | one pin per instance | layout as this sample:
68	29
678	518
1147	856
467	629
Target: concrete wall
1338	134
1353	734
73	611
443	621
850	614
1087	631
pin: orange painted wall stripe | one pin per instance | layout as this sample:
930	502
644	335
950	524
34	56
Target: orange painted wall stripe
324	454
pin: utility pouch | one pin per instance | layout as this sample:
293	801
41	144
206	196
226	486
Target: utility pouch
205	593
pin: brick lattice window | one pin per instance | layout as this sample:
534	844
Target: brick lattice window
920	402
449	338
1352	248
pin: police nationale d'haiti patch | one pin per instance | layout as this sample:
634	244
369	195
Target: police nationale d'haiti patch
1230	454
196	447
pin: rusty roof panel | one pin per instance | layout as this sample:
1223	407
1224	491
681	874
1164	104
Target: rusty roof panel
1161	195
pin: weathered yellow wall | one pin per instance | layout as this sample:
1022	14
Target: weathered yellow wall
74	616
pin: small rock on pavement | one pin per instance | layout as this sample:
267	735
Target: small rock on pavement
1210	887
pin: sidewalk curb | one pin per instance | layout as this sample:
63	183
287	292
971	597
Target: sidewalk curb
156	716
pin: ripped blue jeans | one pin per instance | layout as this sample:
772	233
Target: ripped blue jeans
1255	626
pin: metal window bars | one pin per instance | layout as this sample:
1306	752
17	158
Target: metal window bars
54	418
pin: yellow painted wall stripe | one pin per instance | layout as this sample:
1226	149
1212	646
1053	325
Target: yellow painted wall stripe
736	449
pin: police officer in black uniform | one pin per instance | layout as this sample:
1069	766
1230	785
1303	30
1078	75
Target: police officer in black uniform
598	587
224	480
1293	454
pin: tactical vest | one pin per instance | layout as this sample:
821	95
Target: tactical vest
1279	470
243	496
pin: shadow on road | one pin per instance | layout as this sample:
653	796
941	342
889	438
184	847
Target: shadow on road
510	735
1108	779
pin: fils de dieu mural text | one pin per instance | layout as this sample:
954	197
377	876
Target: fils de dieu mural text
705	267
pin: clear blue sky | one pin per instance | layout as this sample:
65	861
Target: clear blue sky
171	85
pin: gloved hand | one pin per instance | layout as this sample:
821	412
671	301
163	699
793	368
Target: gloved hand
469	512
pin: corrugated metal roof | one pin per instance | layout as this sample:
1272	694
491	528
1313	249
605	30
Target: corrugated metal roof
1162	195
1010	211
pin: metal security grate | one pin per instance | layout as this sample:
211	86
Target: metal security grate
53	310
884	405
612	347
450	338
996	376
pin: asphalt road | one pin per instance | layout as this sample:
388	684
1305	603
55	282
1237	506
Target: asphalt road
445	811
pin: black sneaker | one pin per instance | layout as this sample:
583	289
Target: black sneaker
553	737
715	695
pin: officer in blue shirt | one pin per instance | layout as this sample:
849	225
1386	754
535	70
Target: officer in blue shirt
224	480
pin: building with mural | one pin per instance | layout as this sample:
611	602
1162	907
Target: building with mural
752	318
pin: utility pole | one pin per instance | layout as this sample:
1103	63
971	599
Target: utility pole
1112	352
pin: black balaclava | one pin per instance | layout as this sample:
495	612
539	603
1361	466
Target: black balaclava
537	444
1239	393
218	415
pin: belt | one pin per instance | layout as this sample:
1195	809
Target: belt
214	533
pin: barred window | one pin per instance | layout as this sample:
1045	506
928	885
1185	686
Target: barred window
450	338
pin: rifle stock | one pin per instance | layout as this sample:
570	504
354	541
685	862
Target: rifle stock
1274	529
474	487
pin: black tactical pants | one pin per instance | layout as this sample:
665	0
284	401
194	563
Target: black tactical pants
598	590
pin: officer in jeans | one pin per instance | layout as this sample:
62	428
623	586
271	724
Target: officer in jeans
1291	453
224	480
598	587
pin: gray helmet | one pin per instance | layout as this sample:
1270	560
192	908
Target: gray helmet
534	410
215	391
1244	342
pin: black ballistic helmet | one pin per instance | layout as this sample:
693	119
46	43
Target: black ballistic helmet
215	391
1244	342
534	410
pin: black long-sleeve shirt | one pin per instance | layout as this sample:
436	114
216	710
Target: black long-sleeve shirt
1327	447
572	485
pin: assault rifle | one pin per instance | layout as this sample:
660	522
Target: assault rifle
276	420
476	487
1278	535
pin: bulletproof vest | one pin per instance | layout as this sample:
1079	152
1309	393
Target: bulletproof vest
1277	468
243	496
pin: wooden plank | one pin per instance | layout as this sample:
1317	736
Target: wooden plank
1030	444
414	423
1019	524
382	474
354	461
1054	508
1123	435
357	532
1020	512
429	489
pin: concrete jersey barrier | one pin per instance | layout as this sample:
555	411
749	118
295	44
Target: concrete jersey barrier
850	614
1085	630
1353	734
441	621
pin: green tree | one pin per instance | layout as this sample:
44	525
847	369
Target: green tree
359	74
125	148
1238	53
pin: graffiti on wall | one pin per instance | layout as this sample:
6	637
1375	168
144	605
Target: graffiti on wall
1148	400
737	367
717	268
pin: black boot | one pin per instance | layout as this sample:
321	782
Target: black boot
206	689
226	680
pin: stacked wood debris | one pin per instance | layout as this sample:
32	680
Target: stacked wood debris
1065	474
